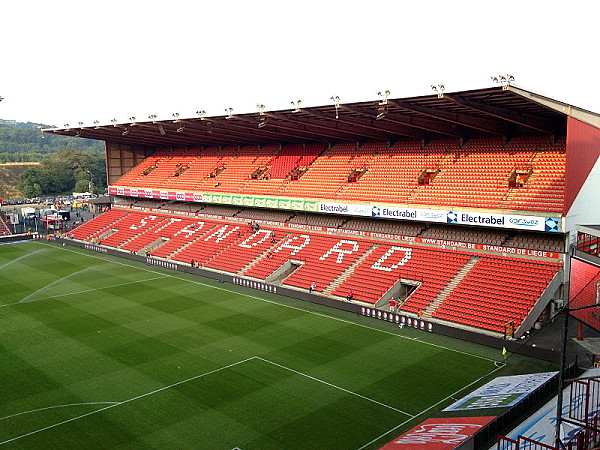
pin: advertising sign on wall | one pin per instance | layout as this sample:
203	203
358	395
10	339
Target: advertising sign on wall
459	217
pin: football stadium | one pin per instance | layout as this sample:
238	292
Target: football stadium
393	273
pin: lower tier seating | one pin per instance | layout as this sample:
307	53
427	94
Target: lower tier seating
480	290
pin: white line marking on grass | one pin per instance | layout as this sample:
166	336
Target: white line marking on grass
337	387
21	257
57	406
113	404
84	291
427	409
282	304
24	299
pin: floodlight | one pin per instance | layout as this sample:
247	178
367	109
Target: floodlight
336	101
439	88
503	80
296	105
384	97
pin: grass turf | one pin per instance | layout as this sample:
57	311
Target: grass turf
102	353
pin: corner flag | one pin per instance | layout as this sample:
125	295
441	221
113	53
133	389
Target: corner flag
504	351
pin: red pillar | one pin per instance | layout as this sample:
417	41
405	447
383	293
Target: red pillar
580	331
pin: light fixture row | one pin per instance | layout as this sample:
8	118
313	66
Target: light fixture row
382	109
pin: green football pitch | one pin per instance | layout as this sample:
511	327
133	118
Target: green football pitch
99	352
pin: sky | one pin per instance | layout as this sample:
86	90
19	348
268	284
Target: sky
79	61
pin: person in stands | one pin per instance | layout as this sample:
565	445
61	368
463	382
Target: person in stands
312	287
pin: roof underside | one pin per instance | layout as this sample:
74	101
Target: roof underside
500	112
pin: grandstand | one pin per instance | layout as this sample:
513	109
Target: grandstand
461	205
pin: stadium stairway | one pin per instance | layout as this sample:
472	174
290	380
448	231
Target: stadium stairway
432	307
339	280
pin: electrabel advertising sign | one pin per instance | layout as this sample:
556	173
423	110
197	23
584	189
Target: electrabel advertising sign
439	434
502	392
533	223
345	209
518	222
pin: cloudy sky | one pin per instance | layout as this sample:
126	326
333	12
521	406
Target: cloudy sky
70	61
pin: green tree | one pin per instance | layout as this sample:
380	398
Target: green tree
66	171
29	185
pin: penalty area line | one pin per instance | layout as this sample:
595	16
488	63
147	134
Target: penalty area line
336	387
129	400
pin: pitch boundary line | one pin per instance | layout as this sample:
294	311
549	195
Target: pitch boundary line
82	292
430	407
335	386
284	305
55	407
146	394
129	400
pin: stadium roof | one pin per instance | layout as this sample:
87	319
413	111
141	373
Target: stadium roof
504	111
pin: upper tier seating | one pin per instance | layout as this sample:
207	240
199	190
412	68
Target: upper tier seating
479	174
493	291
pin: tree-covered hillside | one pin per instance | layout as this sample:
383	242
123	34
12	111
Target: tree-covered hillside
10	174
22	142
66	164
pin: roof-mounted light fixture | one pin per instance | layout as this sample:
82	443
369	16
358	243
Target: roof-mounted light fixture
504	80
382	110
336	101
125	132
262	121
77	134
229	112
384	96
439	89
181	129
201	113
96	123
152	117
296	104
114	122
